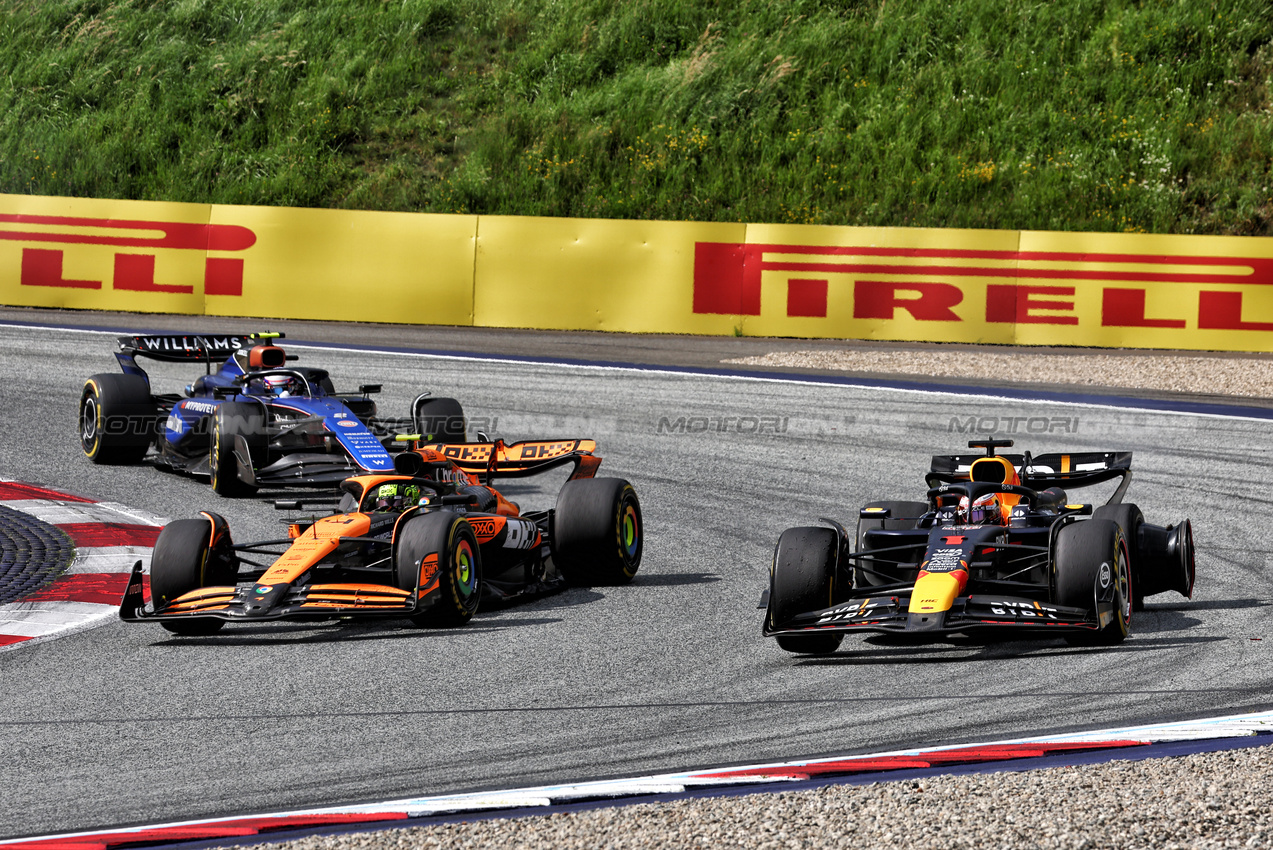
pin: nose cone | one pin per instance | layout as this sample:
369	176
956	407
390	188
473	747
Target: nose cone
936	592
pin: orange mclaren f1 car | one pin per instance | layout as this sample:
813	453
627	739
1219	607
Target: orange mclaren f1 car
998	546
427	543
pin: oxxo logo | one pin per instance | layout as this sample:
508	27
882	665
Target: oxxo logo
1030	287
134	263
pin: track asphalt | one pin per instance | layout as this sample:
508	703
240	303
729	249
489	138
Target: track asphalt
125	725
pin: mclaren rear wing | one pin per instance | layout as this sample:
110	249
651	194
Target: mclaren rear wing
528	457
1079	469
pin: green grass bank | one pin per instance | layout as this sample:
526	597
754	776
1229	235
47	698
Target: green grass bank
1080	115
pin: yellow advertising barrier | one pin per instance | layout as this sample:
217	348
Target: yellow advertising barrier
236	261
594	274
1008	287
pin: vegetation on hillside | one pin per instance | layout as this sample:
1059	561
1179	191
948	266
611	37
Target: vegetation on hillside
1101	115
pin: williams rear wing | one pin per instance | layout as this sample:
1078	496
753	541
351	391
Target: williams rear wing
184	348
1079	469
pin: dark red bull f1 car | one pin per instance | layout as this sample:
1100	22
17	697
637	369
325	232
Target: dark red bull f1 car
428	543
998	546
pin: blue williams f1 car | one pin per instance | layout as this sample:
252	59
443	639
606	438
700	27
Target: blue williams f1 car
256	421
997	547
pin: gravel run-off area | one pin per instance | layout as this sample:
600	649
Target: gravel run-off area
1204	801
1249	376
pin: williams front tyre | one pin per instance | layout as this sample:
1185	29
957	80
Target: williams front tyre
231	421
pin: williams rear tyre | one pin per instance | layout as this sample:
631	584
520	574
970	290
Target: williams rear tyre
118	418
1130	520
901	515
438	552
184	559
804	577
1090	559
235	419
439	420
597	533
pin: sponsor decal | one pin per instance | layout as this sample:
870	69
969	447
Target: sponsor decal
139	241
971	285
1007	607
945	560
346	423
193	346
1103	575
486	527
538	451
481	452
865	610
522	534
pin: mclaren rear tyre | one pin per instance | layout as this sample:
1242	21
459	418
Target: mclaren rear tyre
438	552
1129	519
1090	559
235	419
117	418
804	578
184	560
597	532
901	515
440	420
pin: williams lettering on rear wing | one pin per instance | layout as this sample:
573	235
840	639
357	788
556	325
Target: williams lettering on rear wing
184	348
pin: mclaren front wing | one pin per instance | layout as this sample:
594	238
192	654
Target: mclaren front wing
253	601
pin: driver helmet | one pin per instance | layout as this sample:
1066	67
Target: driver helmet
397	496
985	510
280	386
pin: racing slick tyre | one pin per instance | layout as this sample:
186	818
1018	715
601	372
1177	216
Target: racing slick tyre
1129	519
117	418
901	515
184	560
455	574
597	534
234	419
1088	554
804	578
440	420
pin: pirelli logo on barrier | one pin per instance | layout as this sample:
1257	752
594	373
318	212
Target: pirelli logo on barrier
1018	288
136	244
